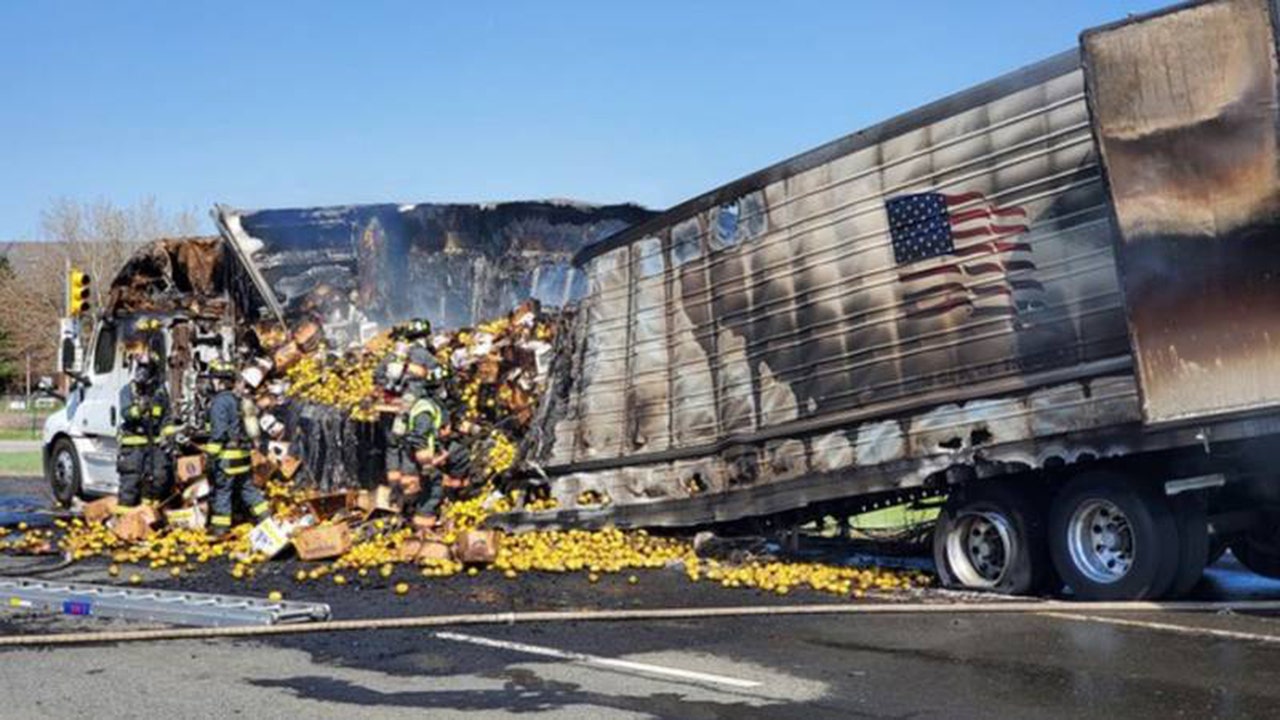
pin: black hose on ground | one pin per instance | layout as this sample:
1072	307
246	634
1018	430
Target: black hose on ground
37	568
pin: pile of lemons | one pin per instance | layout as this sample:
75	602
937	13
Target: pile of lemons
345	383
501	455
782	577
378	552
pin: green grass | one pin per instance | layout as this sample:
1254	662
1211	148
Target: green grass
20	433
26	463
893	517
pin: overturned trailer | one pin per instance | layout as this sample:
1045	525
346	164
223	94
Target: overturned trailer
355	268
1051	297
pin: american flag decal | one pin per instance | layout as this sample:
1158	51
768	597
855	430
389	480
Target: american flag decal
962	253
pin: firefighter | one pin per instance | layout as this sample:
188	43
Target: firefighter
229	454
143	460
409	372
426	427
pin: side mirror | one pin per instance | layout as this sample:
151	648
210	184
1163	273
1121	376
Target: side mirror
47	388
67	356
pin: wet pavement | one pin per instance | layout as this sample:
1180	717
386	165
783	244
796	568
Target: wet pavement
1068	664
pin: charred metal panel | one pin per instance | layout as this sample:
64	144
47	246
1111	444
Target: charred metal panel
603	380
171	275
1185	105
796	339
453	264
648	390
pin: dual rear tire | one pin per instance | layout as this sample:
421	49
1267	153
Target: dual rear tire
1102	535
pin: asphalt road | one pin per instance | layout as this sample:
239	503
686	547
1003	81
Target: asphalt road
1159	665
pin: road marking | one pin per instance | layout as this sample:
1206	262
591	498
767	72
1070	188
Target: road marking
1167	627
597	660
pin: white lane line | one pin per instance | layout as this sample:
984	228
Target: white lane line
1167	627
597	660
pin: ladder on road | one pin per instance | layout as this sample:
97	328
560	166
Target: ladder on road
165	606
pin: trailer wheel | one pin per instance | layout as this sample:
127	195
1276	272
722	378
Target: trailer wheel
990	536
64	472
1191	519
1113	540
1259	551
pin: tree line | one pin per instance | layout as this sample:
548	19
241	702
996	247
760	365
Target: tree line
95	236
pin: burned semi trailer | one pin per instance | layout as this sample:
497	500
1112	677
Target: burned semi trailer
353	268
1049	297
361	268
454	264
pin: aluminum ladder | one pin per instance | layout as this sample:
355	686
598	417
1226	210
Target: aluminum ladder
164	606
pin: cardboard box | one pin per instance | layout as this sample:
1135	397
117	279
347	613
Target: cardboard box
418	550
408	550
434	551
379	499
136	524
269	334
410	485
329	504
477	546
269	537
307	335
100	510
188	518
262	467
322	542
189	468
286	356
289	466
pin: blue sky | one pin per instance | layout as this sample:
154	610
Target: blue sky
279	104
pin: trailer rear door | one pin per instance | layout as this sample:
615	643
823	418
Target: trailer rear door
1184	106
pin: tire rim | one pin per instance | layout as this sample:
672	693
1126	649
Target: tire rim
980	548
1100	539
64	468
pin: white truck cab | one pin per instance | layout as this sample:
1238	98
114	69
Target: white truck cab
79	441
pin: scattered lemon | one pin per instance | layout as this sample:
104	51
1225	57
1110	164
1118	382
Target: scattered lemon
275	596
402	588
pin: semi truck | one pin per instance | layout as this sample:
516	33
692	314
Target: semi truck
1051	298
1046	301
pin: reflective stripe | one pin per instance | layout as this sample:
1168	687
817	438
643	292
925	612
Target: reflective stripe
236	470
169	430
428	407
157	410
261	508
134	412
221	520
234	454
134	440
213	448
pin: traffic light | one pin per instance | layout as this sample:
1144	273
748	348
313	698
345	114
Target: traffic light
78	293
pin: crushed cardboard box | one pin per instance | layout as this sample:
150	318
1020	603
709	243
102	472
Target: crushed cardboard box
477	546
136	524
189	468
194	517
269	537
322	542
100	510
